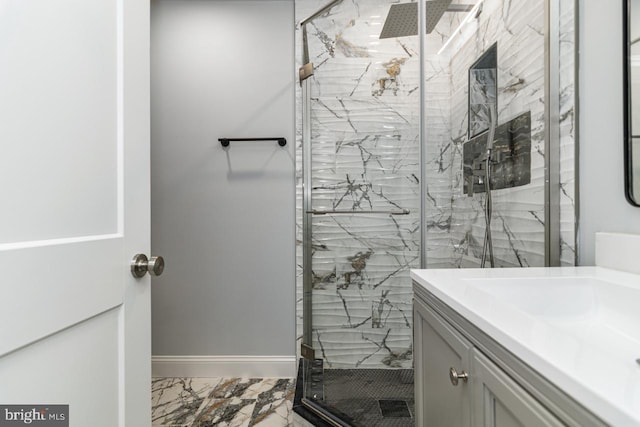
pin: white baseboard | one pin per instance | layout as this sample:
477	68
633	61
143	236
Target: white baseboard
224	366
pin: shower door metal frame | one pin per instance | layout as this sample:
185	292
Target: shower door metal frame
306	71
552	160
422	126
552	134
306	349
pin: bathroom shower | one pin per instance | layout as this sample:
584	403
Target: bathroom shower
400	137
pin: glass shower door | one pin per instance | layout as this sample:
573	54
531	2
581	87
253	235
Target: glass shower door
362	162
362	225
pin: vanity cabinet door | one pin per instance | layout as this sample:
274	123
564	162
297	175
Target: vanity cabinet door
498	401
438	349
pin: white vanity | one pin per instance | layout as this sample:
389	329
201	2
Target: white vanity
528	347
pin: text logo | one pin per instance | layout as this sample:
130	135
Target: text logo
34	415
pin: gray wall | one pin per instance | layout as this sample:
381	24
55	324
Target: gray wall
223	218
603	206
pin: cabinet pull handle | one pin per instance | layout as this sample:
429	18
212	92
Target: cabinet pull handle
454	376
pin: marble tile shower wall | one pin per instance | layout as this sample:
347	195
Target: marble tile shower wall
365	114
456	222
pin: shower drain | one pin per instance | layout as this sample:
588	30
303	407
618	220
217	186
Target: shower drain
394	409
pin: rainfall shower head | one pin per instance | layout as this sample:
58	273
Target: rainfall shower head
402	19
435	9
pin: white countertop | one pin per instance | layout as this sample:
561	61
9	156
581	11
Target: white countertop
579	327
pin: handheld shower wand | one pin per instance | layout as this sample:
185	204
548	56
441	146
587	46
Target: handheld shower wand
488	243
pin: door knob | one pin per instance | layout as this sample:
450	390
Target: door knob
454	376
140	265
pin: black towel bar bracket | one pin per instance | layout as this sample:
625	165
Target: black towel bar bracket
225	141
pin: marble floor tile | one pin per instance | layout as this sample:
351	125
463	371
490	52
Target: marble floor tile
232	412
255	389
223	402
175	401
274	403
279	415
244	388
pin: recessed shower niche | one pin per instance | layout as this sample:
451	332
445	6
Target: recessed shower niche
483	91
510	149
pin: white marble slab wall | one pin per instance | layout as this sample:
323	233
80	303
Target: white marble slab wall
518	213
365	116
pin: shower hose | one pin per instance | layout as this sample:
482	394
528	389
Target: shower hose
488	242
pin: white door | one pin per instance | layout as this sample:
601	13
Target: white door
74	208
